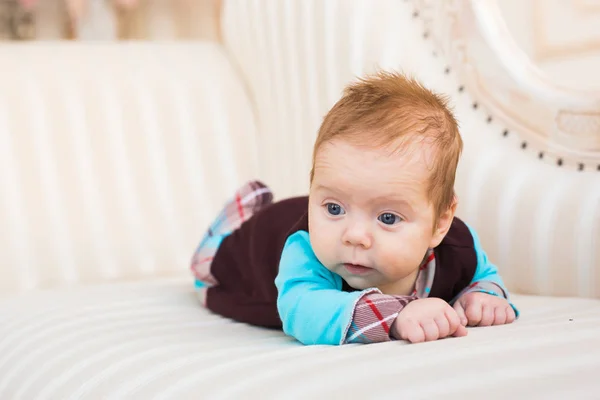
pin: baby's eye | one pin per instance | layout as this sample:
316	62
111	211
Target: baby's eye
334	209
389	218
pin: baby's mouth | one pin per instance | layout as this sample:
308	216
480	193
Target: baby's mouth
356	269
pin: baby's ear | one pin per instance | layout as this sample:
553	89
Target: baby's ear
443	224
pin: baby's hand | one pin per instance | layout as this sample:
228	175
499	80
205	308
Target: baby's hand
427	319
482	309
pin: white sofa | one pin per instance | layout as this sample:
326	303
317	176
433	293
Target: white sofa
115	157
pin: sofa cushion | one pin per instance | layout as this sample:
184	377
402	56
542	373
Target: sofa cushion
137	340
114	158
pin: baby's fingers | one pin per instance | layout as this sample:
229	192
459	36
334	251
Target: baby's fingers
411	330
461	331
460	312
457	328
499	316
474	313
504	315
487	315
444	326
510	315
431	330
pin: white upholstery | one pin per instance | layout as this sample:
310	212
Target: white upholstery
539	222
113	159
151	340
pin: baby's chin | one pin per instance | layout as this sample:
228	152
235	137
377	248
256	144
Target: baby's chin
359	283
356	281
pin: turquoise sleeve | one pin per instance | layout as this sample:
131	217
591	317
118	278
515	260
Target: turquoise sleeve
487	271
310	302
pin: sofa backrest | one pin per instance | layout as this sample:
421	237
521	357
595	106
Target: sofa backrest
114	158
537	211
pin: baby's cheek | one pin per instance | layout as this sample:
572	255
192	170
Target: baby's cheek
393	261
322	246
397	261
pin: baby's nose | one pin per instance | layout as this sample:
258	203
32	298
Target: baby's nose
357	235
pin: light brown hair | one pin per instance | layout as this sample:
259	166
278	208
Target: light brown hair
389	107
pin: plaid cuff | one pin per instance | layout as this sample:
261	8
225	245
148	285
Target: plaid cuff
373	317
490	288
249	199
486	287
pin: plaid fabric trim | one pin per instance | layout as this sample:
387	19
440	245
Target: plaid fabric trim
486	287
426	274
375	313
373	317
248	199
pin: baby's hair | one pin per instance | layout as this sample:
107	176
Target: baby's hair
390	108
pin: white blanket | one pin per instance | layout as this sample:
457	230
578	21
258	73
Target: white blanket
152	340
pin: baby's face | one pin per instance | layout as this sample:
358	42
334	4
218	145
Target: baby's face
369	217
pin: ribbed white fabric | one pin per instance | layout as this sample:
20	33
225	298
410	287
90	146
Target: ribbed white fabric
538	221
114	158
151	340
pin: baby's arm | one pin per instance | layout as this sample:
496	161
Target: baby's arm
374	316
311	304
314	309
380	317
486	300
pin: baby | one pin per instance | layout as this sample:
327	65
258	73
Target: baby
374	252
